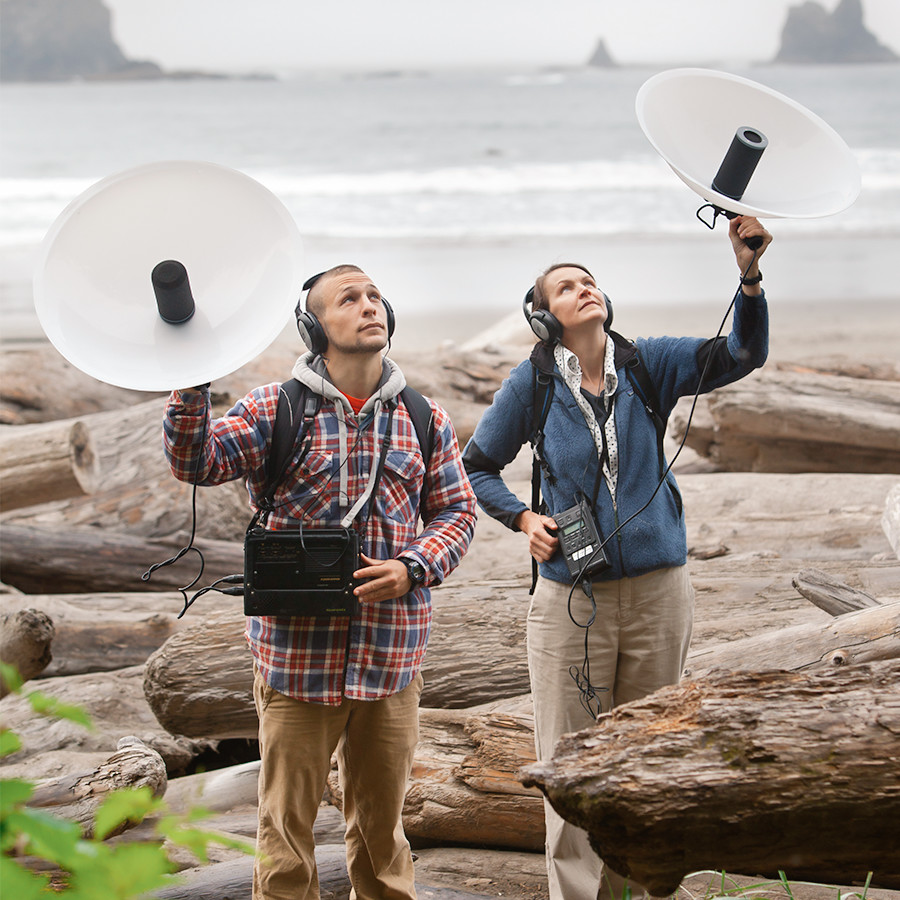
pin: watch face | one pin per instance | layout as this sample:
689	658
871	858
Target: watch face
416	571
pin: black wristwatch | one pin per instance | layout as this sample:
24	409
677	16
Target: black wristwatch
415	569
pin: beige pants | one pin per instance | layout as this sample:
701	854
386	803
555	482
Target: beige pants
375	742
637	644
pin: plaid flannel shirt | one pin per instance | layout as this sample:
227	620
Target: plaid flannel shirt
379	651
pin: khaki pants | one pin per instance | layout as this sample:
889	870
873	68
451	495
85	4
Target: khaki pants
375	742
637	644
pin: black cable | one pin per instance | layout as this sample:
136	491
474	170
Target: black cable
687	427
190	544
582	677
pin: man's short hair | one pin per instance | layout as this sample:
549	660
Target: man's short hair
315	299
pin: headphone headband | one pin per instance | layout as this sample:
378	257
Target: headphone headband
546	326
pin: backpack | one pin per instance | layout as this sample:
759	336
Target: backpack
293	395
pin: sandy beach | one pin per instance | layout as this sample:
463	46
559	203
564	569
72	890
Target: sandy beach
826	298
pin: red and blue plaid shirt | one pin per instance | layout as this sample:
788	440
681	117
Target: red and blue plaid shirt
379	651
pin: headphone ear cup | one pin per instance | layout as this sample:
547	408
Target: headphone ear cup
546	326
391	321
609	313
312	332
541	321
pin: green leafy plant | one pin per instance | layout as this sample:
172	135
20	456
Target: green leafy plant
89	868
722	885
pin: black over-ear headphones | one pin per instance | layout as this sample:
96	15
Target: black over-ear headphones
310	328
546	326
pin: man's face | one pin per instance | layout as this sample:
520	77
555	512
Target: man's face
354	316
573	297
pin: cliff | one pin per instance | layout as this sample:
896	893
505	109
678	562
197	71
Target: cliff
813	35
62	40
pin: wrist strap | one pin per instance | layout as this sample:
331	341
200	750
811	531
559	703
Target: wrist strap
750	281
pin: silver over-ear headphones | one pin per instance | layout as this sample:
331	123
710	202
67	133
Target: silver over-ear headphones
311	331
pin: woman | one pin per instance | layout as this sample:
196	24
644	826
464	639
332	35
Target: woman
605	629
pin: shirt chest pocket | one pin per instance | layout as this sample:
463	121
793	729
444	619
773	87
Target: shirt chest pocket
307	492
401	485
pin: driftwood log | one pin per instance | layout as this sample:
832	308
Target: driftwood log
152	506
810	518
101	632
831	595
116	705
38	385
25	637
232	880
868	635
92	559
45	462
794	420
200	681
464	787
749	772
77	797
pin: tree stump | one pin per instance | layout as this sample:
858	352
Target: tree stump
25	637
77	797
45	462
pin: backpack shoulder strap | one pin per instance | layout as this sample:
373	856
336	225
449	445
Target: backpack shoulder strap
646	390
542	383
420	412
288	429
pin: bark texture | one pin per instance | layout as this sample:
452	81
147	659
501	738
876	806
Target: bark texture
750	773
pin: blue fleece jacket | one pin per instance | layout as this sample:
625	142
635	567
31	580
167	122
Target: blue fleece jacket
655	538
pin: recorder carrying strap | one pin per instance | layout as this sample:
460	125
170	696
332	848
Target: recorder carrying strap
294	396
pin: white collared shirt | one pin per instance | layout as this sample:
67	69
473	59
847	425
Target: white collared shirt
570	367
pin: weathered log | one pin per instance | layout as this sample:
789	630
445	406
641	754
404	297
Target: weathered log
751	773
38	560
890	520
206	689
798	421
835	597
116	705
199	682
102	632
869	635
38	385
77	797
232	880
135	488
25	637
499	873
39	463
154	506
464	787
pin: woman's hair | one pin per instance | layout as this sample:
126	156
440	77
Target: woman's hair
539	301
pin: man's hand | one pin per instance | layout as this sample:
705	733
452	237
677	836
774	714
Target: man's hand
385	580
541	542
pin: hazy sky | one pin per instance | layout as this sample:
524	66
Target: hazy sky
241	35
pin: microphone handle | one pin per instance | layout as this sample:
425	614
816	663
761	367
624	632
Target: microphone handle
754	243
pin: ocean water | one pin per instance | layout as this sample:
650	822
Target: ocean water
434	160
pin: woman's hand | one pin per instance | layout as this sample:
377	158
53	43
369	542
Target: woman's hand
542	543
739	230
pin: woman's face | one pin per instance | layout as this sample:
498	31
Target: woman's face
573	297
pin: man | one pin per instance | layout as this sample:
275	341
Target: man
621	630
345	683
